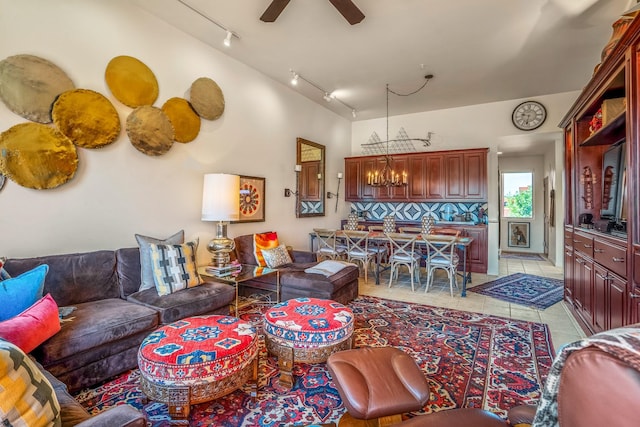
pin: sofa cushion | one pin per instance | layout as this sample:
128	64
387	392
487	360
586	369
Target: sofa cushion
41	320
146	272
244	249
128	270
26	396
207	298
276	257
262	241
74	278
174	267
97	323
21	292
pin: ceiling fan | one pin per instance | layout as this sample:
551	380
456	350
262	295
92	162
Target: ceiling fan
346	7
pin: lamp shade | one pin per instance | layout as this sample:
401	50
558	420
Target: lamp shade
221	197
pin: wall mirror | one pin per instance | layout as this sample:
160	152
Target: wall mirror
310	201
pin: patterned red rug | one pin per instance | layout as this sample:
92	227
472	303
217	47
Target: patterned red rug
470	360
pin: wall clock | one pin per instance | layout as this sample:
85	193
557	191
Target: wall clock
529	115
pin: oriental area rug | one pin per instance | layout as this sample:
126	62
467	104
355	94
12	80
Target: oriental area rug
470	360
525	289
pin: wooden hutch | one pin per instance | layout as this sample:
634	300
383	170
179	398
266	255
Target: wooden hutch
601	238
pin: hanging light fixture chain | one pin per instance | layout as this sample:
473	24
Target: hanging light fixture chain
427	78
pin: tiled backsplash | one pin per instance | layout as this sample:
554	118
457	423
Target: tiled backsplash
415	211
307	207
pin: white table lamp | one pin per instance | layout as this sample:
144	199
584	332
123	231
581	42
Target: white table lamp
221	203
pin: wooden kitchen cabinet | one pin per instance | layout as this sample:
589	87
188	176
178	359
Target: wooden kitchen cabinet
459	175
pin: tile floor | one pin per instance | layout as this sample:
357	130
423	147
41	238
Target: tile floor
563	326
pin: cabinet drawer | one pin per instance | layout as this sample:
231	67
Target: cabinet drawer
568	235
583	244
611	256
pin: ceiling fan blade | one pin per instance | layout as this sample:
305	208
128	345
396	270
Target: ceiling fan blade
274	10
349	10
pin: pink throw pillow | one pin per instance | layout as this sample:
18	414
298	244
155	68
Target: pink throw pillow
33	326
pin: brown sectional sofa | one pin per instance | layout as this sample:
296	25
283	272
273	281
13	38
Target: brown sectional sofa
111	318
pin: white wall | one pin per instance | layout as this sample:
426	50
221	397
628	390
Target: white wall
118	191
485	125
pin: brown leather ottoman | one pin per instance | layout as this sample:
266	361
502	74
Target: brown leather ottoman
464	417
377	385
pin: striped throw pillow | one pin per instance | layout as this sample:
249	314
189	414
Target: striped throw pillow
174	267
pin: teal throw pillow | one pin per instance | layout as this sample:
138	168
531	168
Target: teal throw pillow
21	292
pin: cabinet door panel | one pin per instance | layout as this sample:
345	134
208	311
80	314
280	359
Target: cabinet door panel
435	177
617	305
418	180
600	291
367	192
475	165
454	175
568	274
352	179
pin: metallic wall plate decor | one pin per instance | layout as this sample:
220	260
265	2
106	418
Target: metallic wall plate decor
29	85
131	81
206	98
185	121
87	118
37	156
150	130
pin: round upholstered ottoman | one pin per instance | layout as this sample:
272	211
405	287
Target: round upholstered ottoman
197	359
306	330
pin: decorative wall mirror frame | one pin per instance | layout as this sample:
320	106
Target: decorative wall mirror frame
310	182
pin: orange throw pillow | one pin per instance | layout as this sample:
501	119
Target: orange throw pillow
262	241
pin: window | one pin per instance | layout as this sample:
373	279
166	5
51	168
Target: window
517	194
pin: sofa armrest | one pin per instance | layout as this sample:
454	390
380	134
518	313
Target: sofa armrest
522	415
303	256
119	416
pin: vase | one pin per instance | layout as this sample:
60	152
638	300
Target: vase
619	28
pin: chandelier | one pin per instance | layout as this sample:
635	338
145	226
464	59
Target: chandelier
388	176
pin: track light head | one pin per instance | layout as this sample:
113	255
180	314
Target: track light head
227	40
294	79
354	114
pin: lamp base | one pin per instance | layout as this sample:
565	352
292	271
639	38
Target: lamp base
221	246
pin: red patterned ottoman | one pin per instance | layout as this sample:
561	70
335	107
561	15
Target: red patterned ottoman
306	330
197	359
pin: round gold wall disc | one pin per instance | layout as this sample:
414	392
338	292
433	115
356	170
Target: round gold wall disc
131	81
184	119
37	156
206	98
87	118
30	84
150	130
